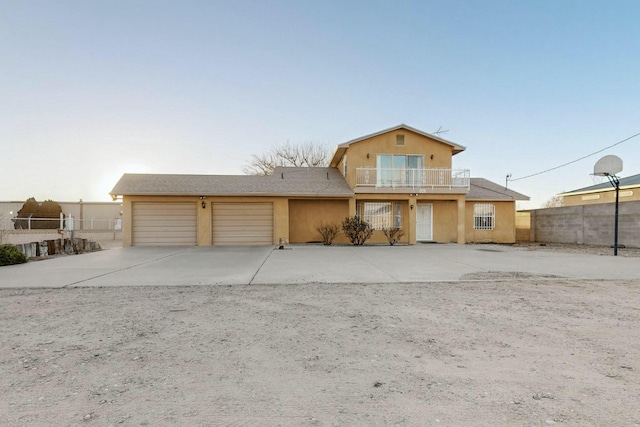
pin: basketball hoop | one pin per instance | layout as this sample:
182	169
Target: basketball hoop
609	166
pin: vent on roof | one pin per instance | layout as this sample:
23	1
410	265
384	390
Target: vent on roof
400	140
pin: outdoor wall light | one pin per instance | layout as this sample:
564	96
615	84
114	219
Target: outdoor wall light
204	205
368	155
411	207
432	157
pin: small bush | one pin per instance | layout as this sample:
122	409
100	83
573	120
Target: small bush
328	232
357	230
393	235
10	255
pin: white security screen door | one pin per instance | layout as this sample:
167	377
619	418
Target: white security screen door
424	222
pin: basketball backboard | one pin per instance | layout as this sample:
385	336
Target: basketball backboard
608	166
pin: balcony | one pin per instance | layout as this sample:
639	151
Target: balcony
414	180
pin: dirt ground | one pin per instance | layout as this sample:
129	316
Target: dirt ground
519	351
581	249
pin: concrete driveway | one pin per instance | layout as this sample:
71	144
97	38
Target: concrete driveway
173	266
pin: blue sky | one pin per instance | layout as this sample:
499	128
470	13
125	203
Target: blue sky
93	89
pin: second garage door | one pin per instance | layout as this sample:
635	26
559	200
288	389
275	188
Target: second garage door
242	223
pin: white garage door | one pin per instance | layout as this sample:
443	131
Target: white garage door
164	224
242	223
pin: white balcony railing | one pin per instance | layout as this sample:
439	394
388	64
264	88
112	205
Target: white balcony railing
444	179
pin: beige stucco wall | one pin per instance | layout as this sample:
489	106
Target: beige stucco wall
296	220
386	144
628	194
448	217
505	224
524	232
305	215
445	221
445	216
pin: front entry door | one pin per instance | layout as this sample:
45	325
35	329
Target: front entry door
424	222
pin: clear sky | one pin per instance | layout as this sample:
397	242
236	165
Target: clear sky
92	89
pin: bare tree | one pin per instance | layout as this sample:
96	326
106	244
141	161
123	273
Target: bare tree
308	154
554	202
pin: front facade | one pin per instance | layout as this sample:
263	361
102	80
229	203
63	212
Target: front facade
397	178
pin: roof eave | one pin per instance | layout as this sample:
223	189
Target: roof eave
337	156
598	190
234	194
495	199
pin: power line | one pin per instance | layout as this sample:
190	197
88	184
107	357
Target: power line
573	161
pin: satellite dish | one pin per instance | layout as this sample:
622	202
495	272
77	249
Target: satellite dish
607	166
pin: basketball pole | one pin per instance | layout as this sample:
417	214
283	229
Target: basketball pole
609	166
616	183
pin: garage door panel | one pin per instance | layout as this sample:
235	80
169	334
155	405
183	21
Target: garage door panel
240	241
164	224
242	223
234	228
173	223
163	242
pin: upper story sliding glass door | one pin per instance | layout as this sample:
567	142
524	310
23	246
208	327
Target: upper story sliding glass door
400	170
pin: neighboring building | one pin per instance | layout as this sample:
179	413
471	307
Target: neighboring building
604	193
400	177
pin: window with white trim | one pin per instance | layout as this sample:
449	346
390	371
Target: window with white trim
381	215
484	216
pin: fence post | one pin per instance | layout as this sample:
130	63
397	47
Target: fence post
61	221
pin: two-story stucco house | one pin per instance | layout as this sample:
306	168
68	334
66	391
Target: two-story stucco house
399	177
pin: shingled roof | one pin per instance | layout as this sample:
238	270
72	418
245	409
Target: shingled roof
318	182
482	189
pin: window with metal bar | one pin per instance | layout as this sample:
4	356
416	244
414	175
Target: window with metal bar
484	215
381	215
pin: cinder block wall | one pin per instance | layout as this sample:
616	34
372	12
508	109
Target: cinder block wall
588	224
